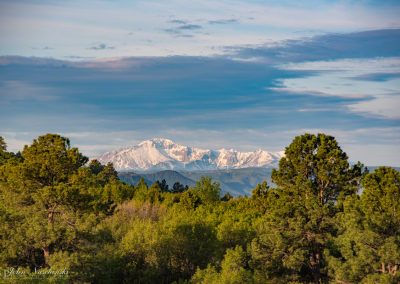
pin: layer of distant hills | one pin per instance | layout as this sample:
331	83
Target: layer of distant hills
234	181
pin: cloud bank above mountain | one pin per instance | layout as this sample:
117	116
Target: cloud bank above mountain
252	95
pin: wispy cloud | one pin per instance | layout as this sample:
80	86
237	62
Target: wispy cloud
176	21
380	77
255	22
183	29
223	21
336	78
381	105
101	46
43	48
189	27
177	33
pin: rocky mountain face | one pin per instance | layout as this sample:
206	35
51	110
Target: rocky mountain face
163	154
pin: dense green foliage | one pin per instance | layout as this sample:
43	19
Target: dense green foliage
322	221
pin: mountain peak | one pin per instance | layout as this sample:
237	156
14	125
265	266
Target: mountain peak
164	154
162	140
157	141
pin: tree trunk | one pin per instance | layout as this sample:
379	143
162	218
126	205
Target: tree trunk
315	267
395	268
392	269
46	254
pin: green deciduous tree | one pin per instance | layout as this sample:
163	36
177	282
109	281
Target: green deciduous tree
6	156
207	190
169	249
234	270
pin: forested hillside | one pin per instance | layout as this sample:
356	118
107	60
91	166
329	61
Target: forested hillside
235	181
64	219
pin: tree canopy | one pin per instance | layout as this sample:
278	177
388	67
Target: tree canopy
321	220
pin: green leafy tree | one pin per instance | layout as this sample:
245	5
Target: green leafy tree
51	202
369	242
312	180
3	150
234	221
207	190
50	160
234	270
227	196
154	193
95	167
259	196
3	145
7	156
141	190
163	185
190	199
314	225
178	187
261	190
168	249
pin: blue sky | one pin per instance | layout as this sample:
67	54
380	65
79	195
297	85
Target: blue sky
236	74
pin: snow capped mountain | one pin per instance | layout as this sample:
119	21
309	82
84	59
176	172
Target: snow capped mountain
164	154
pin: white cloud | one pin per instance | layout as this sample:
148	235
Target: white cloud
344	78
370	65
387	106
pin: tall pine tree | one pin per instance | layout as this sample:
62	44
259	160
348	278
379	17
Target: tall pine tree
312	180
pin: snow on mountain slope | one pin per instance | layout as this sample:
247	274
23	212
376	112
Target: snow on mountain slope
164	154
